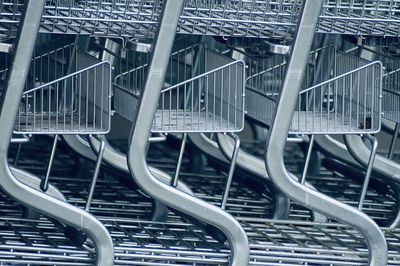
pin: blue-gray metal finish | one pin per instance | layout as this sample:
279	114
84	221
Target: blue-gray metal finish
257	167
141	130
23	193
277	139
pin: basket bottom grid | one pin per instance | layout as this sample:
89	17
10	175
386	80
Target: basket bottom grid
178	243
320	123
185	121
61	123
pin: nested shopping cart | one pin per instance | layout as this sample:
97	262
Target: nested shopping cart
139	20
67	92
385	51
391	97
340	94
203	92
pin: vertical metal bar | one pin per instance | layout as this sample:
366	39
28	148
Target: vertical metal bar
277	139
10	101
44	184
308	157
95	174
231	170
18	154
394	141
174	181
141	129
371	160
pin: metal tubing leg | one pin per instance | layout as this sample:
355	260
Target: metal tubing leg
394	141
308	157
277	139
118	160
174	181
223	151
10	100
95	175
44	184
383	166
254	166
18	154
231	170
374	149
357	155
141	128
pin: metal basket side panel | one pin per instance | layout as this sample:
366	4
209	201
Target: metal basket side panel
225	92
94	95
184	64
262	90
352	103
371	17
78	103
139	19
244	18
210	102
391	96
266	78
113	18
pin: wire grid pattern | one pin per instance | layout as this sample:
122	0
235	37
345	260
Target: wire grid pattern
38	243
138	19
391	90
114	197
390	80
346	101
381	200
203	92
391	103
149	243
68	92
176	242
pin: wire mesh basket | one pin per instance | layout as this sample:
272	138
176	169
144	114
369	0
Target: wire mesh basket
391	94
340	97
67	92
390	78
275	19
203	92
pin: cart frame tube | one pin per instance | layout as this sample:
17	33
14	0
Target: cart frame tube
277	139
10	102
141	129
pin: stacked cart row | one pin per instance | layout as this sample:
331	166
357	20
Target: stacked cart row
199	132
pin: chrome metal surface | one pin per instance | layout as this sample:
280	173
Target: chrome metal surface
138	19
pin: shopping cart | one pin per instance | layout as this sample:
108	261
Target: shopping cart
344	100
203	93
55	102
51	90
142	21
